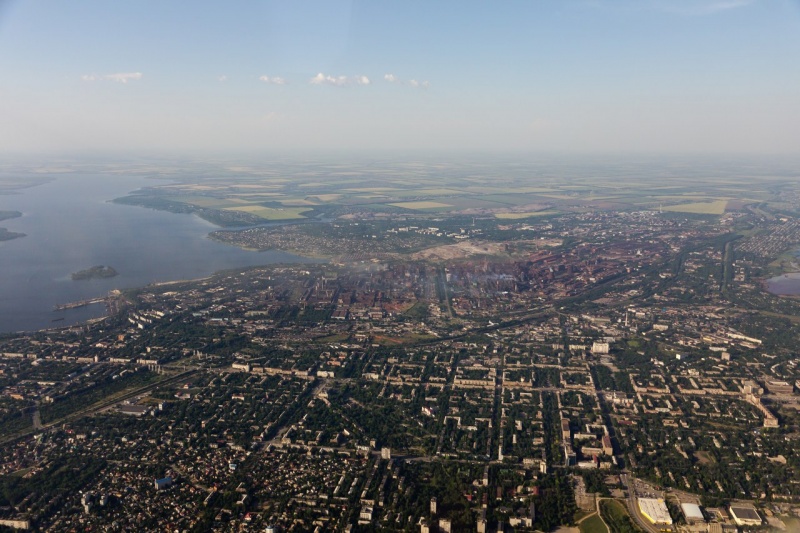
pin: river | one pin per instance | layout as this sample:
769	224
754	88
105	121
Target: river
71	225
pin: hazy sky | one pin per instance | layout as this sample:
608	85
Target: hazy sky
561	75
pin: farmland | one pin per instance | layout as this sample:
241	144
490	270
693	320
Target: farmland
269	213
421	205
701	208
293	192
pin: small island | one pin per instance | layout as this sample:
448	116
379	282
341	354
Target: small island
5	215
96	272
6	235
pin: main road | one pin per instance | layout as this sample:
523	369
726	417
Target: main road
633	507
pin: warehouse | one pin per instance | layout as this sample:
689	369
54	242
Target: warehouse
655	510
745	515
692	513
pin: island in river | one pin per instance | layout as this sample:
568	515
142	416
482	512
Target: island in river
96	272
6	235
5	215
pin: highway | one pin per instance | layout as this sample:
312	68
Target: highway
99	406
633	507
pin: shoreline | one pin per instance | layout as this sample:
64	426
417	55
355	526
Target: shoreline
794	275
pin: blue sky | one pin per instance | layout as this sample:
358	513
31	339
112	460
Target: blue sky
566	76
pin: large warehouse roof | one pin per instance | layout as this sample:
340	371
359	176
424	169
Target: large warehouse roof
655	510
692	511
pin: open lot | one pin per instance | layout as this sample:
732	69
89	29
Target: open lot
421	205
269	213
702	208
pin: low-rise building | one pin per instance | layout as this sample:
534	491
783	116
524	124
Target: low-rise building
745	515
655	510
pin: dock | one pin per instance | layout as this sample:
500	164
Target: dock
80	303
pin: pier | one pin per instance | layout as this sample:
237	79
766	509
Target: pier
80	303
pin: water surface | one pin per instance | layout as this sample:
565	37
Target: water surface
71	225
785	284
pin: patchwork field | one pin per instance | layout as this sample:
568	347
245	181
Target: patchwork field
513	192
702	208
515	216
421	205
269	213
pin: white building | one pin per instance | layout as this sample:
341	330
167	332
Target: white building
692	512
655	510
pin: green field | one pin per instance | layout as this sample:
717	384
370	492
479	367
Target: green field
515	216
616	516
269	213
325	197
206	201
431	190
701	208
296	202
593	524
421	205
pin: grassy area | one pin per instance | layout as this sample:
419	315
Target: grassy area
325	197
616	516
515	216
269	213
205	201
372	189
417	311
421	205
297	202
593	524
716	207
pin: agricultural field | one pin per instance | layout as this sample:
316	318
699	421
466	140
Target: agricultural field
269	213
701	208
420	205
285	191
516	216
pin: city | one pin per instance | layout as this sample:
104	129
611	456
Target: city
548	373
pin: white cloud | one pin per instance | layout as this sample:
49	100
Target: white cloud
339	81
120	77
223	78
275	80
123	77
322	79
416	84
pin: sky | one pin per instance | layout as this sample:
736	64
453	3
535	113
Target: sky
352	76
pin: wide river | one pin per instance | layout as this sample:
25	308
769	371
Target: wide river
71	225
